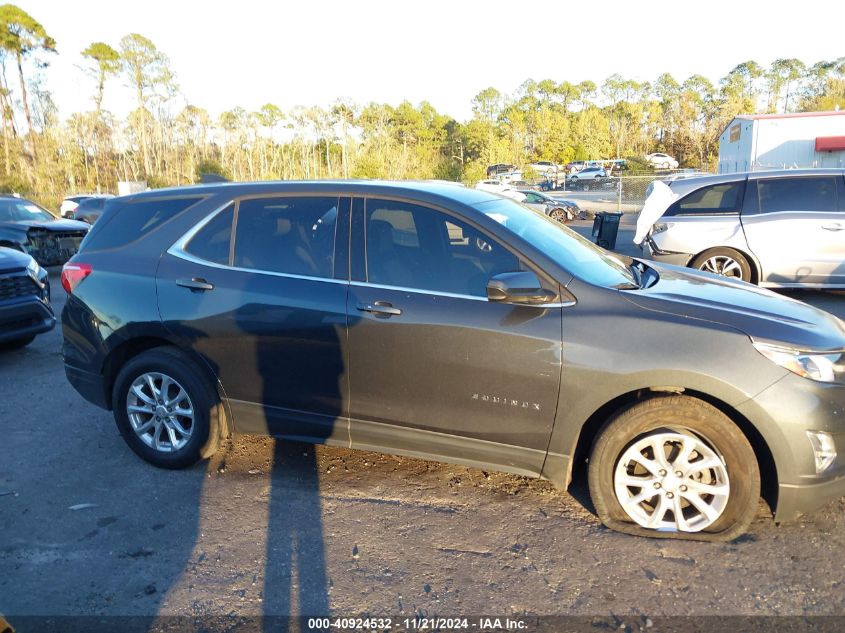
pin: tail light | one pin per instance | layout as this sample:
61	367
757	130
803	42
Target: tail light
73	274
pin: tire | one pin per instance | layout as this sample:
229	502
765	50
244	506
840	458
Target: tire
196	435
559	215
731	476
724	261
16	343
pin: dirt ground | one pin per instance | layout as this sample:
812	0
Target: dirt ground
276	528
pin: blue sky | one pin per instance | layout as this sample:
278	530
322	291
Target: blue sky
311	52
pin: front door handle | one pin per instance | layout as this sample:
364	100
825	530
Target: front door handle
379	308
833	227
195	284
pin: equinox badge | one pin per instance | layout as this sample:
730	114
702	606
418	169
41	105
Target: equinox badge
508	402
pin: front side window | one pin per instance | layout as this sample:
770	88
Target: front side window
293	235
718	199
411	246
797	194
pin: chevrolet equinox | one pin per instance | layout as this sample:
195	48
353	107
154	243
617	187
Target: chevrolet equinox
448	323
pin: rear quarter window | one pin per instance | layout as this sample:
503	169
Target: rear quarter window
124	222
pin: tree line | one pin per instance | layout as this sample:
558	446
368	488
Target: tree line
165	141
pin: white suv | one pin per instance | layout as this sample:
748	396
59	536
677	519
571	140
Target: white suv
664	161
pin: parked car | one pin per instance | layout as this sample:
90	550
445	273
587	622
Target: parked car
552	207
90	209
663	161
70	203
25	308
776	229
503	189
453	324
29	228
544	168
589	173
500	168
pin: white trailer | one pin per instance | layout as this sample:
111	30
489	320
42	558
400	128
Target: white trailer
753	142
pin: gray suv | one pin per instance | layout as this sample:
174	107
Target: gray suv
773	228
454	324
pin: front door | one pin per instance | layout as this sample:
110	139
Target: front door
435	368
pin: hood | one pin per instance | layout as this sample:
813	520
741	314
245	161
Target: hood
761	314
10	259
50	225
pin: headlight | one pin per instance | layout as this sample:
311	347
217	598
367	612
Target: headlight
33	269
821	367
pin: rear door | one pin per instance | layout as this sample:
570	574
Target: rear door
260	292
435	368
795	229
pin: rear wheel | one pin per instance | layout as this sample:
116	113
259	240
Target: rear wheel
724	261
674	467
165	410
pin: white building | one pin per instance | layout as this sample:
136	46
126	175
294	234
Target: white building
754	142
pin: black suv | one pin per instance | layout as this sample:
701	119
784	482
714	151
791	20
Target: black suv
24	299
450	323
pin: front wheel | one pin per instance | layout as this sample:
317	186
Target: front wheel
725	262
674	467
559	215
165	410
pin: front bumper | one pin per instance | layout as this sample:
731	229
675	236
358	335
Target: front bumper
783	413
651	251
24	318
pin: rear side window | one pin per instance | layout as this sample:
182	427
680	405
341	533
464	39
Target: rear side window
213	241
126	222
292	235
718	199
797	194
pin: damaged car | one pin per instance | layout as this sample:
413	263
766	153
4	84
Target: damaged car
776	229
29	228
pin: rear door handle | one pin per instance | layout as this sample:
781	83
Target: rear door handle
379	308
833	227
195	284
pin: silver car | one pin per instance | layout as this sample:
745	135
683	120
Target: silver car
773	228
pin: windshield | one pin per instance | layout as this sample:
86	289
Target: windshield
577	255
17	210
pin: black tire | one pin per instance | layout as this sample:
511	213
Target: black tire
16	343
700	422
731	262
207	421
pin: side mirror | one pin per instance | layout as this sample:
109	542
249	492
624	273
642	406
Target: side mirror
521	288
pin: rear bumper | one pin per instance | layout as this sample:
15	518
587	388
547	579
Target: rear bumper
650	251
22	319
90	386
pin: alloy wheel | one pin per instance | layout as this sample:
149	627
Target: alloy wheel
672	482
722	265
160	411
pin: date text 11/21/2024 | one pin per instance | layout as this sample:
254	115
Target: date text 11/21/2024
417	624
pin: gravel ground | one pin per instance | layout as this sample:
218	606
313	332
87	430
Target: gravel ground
277	528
